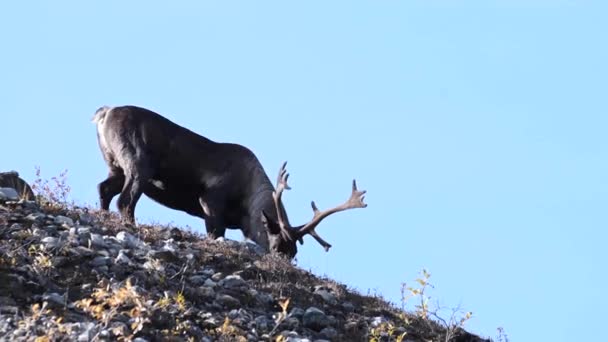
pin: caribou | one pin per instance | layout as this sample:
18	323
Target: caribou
222	183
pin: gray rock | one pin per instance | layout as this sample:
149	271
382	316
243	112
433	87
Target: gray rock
233	282
114	250
17	226
63	221
51	229
97	241
192	255
208	272
169	246
128	240
204	315
291	334
292	323
120	327
101	261
103	252
35	217
315	319
122	258
211	323
297	313
102	269
233	314
36	232
327	296
8	310
197	280
7	301
9	194
210	283
262	323
84	239
348	307
297	339
86	219
205	292
84	230
254	247
329	333
82	251
242	317
88	331
32	205
228	301
263	298
377	321
50	242
54	299
165	255
59	261
152	266
351	326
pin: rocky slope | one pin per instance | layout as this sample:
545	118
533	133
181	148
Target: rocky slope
80	275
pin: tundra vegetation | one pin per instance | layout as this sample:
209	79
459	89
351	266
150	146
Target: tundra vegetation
69	272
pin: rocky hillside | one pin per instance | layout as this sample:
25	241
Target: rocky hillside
75	274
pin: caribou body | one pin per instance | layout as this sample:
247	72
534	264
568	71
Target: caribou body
222	183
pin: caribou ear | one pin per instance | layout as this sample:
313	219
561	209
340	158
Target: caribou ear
270	224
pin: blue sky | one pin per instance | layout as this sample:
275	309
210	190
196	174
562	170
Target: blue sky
477	127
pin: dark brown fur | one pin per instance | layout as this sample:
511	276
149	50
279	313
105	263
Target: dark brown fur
222	183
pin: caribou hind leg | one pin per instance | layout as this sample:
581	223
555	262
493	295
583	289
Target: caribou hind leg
110	187
137	168
135	181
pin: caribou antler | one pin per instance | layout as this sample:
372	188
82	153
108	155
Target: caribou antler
276	196
355	201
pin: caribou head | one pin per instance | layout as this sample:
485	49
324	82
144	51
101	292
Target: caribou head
282	236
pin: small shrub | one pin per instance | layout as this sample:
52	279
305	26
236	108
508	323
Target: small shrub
452	323
42	261
52	194
502	335
386	332
105	303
